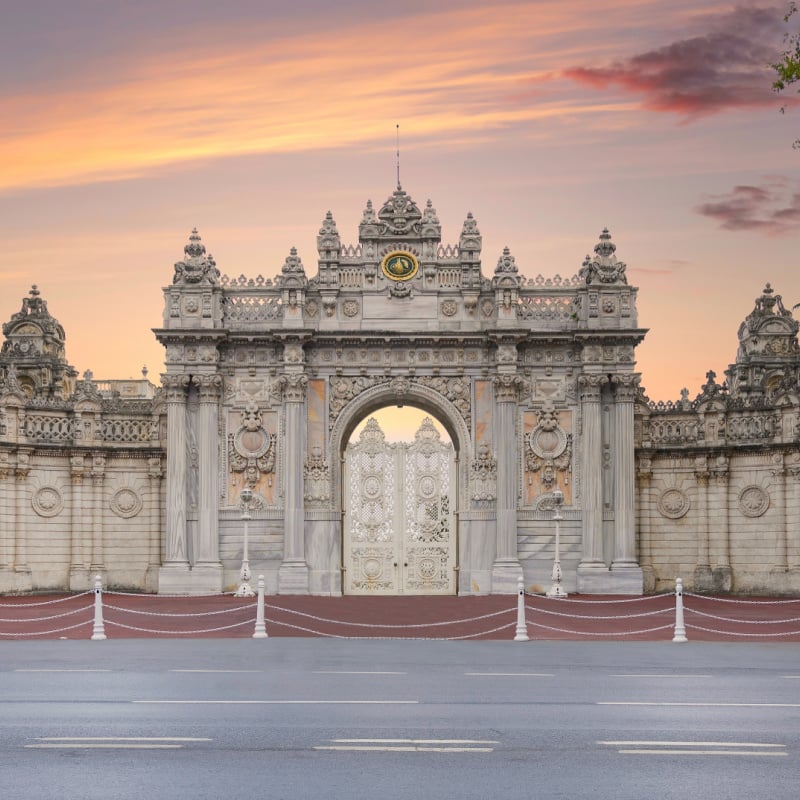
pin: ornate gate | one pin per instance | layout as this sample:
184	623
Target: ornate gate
399	534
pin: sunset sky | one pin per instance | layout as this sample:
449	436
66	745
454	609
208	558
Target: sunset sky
125	124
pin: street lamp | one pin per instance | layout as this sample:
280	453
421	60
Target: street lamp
245	590
556	589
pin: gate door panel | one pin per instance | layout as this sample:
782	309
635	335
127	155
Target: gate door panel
399	534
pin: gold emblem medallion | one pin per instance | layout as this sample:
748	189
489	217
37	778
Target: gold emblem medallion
399	266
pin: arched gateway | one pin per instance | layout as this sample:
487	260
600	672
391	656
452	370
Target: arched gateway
267	380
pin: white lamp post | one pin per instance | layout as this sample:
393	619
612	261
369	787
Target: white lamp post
556	589
245	590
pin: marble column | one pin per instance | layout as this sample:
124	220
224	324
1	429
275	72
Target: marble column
645	476
98	470
22	506
624	482
506	569
155	474
793	513
779	473
293	571
703	579
174	575
591	466
79	561
208	567
721	572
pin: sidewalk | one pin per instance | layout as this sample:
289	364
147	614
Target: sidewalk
577	618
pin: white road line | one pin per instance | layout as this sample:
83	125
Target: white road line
405	749
654	675
512	674
62	670
353	672
701	705
237	671
690	744
122	739
790	676
105	746
701	752
415	741
280	702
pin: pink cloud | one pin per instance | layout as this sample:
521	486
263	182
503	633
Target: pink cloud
773	208
724	67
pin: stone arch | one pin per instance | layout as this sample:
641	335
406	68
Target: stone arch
414	394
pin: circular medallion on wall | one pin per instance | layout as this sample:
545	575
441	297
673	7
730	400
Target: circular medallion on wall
350	308
753	501
547	441
673	503
449	308
427	486
47	502
126	503
251	443
399	265
373	488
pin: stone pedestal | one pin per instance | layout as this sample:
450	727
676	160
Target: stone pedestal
293	577
183	579
618	580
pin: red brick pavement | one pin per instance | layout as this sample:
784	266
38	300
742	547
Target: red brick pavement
577	618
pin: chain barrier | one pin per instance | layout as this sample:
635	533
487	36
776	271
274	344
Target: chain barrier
44	602
574	599
744	621
51	616
250	621
602	633
50	633
392	638
742	602
737	633
587	616
378	625
167	596
177	614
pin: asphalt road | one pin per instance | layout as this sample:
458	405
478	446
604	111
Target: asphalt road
321	718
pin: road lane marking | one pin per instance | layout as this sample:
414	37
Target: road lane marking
352	672
690	744
112	742
416	741
513	674
237	671
62	670
405	749
700	705
409	745
700	752
123	739
654	675
281	702
660	748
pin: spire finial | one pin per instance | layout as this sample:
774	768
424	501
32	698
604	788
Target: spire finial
398	155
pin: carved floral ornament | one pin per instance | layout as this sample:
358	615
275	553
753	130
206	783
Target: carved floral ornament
251	450
126	503
548	448
47	501
673	503
753	501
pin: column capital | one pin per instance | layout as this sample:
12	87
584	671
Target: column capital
292	386
507	387
590	387
626	386
210	387
175	386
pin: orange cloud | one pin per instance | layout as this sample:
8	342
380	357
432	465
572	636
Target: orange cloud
453	74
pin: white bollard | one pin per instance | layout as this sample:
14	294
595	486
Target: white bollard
98	631
680	628
261	629
522	627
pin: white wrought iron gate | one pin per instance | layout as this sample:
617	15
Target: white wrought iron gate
399	532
